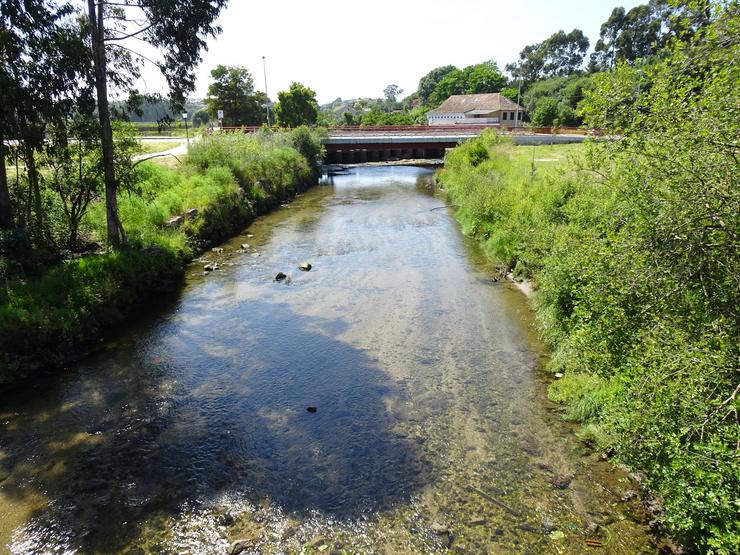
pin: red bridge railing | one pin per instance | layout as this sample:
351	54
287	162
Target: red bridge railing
431	129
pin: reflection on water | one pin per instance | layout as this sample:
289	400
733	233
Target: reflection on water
431	429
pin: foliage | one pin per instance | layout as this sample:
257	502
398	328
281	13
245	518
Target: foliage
232	91
555	101
479	78
560	54
297	106
644	30
634	251
429	82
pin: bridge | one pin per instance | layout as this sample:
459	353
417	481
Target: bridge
352	144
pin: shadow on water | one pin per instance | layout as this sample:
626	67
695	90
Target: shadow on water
209	403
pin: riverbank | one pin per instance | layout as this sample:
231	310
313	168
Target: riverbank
170	217
645	371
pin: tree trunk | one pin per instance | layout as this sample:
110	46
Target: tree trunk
116	235
6	208
34	192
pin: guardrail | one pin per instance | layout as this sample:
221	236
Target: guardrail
431	129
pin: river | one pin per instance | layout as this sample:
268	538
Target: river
431	427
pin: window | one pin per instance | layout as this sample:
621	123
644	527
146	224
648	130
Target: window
504	116
512	116
519	114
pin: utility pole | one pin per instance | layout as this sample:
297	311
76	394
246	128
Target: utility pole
267	98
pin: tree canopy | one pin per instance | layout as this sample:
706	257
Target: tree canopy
479	78
560	54
232	91
297	106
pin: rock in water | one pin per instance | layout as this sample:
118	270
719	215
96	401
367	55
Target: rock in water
438	528
245	246
280	276
238	546
305	266
311	409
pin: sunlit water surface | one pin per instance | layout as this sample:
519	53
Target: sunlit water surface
191	430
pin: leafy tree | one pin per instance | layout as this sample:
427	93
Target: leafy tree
200	118
391	92
233	92
429	82
546	113
555	101
475	79
645	29
560	54
178	28
43	74
297	106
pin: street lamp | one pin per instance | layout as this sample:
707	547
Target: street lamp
267	98
185	119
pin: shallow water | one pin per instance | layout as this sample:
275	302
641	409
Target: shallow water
191	430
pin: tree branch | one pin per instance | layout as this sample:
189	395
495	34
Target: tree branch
122	37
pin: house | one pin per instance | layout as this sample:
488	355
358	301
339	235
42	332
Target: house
491	108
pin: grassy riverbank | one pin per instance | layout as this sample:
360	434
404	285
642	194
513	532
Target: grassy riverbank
226	181
648	360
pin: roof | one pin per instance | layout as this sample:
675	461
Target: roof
476	103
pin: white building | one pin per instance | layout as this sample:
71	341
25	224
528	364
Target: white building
489	109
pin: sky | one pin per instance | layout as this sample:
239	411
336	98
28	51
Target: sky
351	49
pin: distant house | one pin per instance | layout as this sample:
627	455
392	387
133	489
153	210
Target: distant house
489	109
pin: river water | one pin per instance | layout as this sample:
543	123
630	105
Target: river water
431	431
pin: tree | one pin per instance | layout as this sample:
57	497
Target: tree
391	92
200	118
44	71
429	82
560	54
479	78
178	28
297	106
646	29
233	92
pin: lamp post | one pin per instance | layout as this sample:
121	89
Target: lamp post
267	98
518	94
187	135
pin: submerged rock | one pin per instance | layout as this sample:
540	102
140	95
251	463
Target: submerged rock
280	276
305	266
311	409
211	267
238	546
561	481
440	529
245	246
476	521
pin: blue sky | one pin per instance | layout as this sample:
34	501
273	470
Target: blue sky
350	49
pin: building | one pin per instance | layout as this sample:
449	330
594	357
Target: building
489	109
